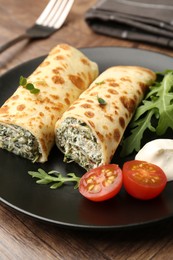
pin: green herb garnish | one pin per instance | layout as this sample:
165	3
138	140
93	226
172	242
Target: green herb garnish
29	86
100	83
54	177
154	114
101	101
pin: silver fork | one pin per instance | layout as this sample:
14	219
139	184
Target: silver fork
50	20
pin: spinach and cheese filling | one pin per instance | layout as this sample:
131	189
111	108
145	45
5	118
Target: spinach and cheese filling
75	139
19	141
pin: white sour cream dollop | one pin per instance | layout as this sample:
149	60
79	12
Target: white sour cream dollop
160	153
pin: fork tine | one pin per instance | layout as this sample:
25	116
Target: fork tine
55	13
61	14
52	13
46	12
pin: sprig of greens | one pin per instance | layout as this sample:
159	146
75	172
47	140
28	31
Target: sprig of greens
101	101
54	177
154	114
29	86
100	83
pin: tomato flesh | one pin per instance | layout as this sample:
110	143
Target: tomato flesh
101	183
143	180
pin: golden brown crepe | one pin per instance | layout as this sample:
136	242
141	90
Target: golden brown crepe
90	131
27	120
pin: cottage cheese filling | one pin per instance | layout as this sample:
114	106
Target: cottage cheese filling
77	142
19	141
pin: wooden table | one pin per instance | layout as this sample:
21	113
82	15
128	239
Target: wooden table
22	237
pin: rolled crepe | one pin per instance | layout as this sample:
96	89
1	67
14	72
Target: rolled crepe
90	131
27	120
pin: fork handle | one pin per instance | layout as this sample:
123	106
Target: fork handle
14	41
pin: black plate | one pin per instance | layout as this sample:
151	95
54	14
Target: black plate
65	206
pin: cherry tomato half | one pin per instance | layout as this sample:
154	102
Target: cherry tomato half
101	183
143	180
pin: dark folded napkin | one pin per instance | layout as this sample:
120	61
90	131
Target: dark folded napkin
140	20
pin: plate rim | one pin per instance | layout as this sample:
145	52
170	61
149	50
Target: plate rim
83	226
88	48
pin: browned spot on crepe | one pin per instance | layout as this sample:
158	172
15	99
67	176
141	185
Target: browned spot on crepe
41	114
112	91
122	121
67	101
126	79
100	136
21	107
64	46
57	70
4	109
60	57
85	61
56	97
128	103
85	105
77	81
109	117
91	123
117	135
89	114
143	87
57	79
15	97
44	63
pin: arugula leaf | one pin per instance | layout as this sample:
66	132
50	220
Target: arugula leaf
165	105
133	142
54	177
158	107
162	73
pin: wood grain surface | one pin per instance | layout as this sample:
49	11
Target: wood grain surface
22	237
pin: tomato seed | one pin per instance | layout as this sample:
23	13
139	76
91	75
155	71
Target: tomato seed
90	187
107	182
111	178
97	188
108	173
89	181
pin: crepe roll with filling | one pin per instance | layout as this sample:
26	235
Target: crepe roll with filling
27	119
90	131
